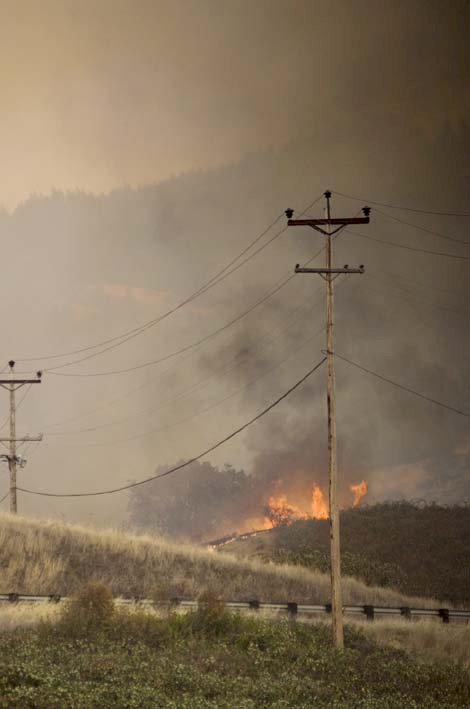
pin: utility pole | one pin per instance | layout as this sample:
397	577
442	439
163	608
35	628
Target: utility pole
329	274
12	385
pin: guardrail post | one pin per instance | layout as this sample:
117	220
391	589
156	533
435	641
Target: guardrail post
292	610
174	601
328	608
54	598
254	605
13	597
444	614
369	611
405	611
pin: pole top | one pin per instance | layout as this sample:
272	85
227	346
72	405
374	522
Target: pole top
366	211
289	213
328	194
11	364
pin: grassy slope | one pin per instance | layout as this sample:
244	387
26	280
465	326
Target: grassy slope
417	550
213	659
50	557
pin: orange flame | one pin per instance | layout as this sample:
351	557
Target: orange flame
279	511
359	490
319	506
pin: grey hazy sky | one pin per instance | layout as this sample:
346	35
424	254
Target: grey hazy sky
102	93
220	114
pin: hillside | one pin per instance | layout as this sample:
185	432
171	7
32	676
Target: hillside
50	557
416	549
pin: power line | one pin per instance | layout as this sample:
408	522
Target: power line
406	209
191	460
423	228
399	288
136	334
212	282
5	496
403	387
181	350
145	385
408	248
273	290
154	321
428	286
210	407
221	371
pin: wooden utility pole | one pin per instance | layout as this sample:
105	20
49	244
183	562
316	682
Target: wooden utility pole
13	459
329	274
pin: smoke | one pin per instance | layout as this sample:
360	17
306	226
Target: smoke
218	131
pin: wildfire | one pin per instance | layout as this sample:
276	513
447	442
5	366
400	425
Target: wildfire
279	511
359	490
319	506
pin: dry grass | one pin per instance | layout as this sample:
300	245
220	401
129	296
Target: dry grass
428	639
51	557
21	615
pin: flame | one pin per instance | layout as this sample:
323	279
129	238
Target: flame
319	506
279	511
359	490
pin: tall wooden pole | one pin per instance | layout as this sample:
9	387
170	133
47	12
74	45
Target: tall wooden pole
12	456
12	385
335	559
329	273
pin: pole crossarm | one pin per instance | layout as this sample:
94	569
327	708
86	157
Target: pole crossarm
19	381
321	271
343	221
339	222
25	439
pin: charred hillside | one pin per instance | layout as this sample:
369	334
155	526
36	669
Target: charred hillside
415	548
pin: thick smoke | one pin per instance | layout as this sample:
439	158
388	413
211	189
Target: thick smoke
369	101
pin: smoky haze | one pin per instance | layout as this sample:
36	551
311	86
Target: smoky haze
144	146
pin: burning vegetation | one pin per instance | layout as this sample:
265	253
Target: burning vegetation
279	511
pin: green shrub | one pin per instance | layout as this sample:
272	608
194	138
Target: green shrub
91	610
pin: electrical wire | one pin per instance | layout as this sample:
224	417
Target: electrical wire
408	248
213	281
181	350
211	406
272	291
402	386
154	321
422	228
5	496
401	288
131	391
406	209
218	372
191	460
420	284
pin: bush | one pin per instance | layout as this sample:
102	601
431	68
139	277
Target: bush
91	610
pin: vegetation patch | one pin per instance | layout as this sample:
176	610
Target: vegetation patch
418	549
209	658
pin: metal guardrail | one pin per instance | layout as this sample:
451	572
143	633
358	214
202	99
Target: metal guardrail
293	609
